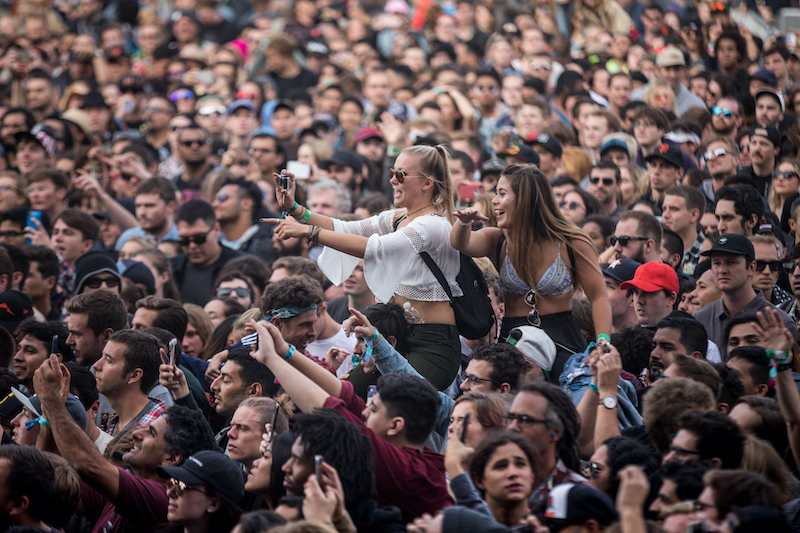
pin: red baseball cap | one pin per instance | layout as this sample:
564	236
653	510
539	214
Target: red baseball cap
653	277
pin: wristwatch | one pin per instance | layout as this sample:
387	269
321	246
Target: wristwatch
609	402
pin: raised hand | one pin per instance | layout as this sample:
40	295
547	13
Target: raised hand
468	215
773	333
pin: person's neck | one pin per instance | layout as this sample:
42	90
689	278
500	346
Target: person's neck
657	195
594	153
160	232
628	320
401	442
157	137
508	514
93	432
239	141
610	206
688	236
654	255
784	80
55	210
290	70
767	293
234	230
487	110
28	521
127	404
735	301
717	182
550	461
43	112
194	170
213	258
360	301
732	71
650	148
43	304
765	168
419	209
200	526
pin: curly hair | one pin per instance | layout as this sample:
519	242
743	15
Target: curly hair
634	346
187	432
301	290
562	416
717	436
667	400
508	363
624	451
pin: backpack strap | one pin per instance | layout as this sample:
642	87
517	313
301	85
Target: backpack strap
437	272
571	255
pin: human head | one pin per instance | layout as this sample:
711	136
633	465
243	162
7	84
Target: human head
672	398
709	436
726	490
247	426
329	197
739	209
495	368
139	365
74	234
655	291
433	163
682	208
241	377
682	335
93	317
153	312
34	348
613	456
483	465
28	477
753	365
293	305
199	232
155	204
648	233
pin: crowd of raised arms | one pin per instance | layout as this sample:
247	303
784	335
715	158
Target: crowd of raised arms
376	266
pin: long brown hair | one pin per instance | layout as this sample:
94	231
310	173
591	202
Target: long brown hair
435	163
536	219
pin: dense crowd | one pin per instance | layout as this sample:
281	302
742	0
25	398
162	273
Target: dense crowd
368	266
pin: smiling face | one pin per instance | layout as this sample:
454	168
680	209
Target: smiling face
410	192
31	354
149	447
504	202
508	476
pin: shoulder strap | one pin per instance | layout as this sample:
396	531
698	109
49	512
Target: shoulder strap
500	242
399	220
571	255
437	272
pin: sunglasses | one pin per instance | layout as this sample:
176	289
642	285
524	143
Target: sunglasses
221	198
535	67
624	240
608	182
95	283
774	266
211	110
198	142
491	88
533	316
181	488
156	110
11	233
787	175
246	96
401	175
182	94
789	266
711	154
196	239
571	205
241	292
725	112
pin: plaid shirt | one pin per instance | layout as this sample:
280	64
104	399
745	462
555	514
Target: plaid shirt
66	279
560	475
692	256
152	410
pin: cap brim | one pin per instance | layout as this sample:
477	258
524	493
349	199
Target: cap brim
708	253
10	406
641	285
615	278
25	401
181	474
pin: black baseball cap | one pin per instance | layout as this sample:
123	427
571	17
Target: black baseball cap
549	142
210	468
667	152
345	158
732	243
526	153
768	131
15	307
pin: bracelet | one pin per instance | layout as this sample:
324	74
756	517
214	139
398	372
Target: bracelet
374	337
594	389
306	216
294	207
290	353
603	336
313	234
392	151
467	224
288	211
784	366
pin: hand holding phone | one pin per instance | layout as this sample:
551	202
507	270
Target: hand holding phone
318	459
54	344
274	421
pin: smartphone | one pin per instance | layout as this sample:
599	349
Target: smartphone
173	348
205	77
372	390
464	425
54	344
284	181
468	191
318	467
274	421
32	214
301	171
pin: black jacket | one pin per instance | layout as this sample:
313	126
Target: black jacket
179	265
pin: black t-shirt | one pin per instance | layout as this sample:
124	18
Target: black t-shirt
198	284
304	80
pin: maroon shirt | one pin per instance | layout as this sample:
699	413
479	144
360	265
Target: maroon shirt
141	505
410	479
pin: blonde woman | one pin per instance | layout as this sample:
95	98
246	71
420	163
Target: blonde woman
634	183
660	95
783	191
390	243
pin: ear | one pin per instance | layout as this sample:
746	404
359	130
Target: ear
4	281
173	459
275	321
696	355
396	426
392	340
61	193
592	526
107	334
50	281
694	215
214	506
792	225
505	387
323	307
135	375
479	484
672	298
20	506
723	408
255	390
87	245
762	390
717	462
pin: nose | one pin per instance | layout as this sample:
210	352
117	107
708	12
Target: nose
465	385
669	457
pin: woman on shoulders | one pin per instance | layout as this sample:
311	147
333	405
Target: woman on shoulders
533	245
390	243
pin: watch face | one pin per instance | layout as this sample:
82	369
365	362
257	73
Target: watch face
610	402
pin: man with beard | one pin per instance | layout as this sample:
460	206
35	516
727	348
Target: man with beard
156	117
604	181
93	318
41	95
623	315
676	335
194	146
637	237
267	150
655	289
155	206
722	162
765	145
726	117
118	499
238	205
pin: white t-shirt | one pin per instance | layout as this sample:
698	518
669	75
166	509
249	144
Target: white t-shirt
320	347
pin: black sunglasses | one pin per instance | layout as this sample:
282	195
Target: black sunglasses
197	239
95	283
608	182
241	292
789	266
400	175
625	239
774	266
198	142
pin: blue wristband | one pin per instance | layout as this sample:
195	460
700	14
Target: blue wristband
594	388
290	353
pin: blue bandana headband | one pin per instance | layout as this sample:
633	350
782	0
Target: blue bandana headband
289	311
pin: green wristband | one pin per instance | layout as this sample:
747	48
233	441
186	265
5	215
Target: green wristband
306	216
604	336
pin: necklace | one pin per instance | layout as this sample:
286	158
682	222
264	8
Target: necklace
420	209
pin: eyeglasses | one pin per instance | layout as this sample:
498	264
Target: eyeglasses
173	127
535	67
241	292
724	111
37	188
744	147
181	488
571	205
608	182
698	506
190	143
522	420
678	451
95	283
11	233
789	266
197	239
644	125
254	151
712	154
211	110
482	88
624	240
6	188
401	175
221	198
594	469
181	94
788	175
246	96
156	110
774	266
475	379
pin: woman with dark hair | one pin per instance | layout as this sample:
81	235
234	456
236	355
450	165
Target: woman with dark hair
541	256
615	454
600	229
204	493
578	205
265	479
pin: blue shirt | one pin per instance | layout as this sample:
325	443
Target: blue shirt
172	235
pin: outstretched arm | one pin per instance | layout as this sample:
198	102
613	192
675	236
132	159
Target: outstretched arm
593	284
72	441
473	243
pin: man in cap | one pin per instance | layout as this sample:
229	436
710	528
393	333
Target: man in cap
765	145
35	150
96	270
671	63
616	151
131	102
549	150
15	308
369	143
211	114
763	78
623	314
284	122
665	166
491	171
573	505
242	119
185	27
519	155
770	107
604	178
99	114
655	290
346	167
732	269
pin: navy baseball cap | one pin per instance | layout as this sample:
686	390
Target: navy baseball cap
614	143
622	270
549	142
